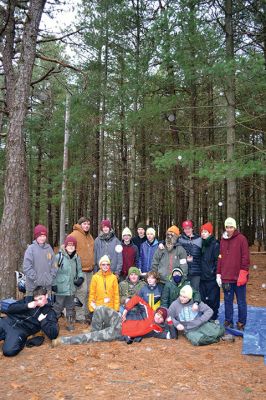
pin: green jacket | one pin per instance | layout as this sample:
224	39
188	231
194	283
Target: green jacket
171	292
68	271
128	289
165	261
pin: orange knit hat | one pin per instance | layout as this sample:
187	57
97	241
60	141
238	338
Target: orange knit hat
174	229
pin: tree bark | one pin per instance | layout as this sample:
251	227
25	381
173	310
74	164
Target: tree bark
15	224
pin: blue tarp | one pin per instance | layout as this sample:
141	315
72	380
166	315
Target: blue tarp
254	335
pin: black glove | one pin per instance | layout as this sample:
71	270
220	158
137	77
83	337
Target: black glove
78	282
54	288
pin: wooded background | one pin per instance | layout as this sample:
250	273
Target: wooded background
166	120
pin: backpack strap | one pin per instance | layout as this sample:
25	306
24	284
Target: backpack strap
60	259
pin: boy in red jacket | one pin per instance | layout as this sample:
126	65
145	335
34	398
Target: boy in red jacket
108	325
232	272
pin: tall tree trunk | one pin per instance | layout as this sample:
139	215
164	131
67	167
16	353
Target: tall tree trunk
230	97
15	225
65	167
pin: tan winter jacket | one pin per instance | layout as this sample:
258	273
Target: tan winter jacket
85	248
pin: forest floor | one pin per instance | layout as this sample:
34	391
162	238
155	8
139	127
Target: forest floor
148	370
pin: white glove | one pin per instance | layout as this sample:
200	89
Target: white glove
219	280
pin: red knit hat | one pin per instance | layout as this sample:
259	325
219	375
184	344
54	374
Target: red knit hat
207	227
187	224
39	230
162	311
106	222
70	240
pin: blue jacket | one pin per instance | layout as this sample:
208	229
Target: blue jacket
209	258
147	251
152	295
193	248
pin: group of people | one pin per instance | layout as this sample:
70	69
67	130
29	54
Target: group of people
130	289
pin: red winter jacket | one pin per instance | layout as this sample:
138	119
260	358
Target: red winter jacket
234	256
134	328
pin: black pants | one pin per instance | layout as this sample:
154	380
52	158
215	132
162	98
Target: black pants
15	338
210	294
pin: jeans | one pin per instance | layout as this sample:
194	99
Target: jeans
240	292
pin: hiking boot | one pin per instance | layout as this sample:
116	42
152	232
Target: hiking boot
228	338
128	340
56	342
228	324
70	324
240	326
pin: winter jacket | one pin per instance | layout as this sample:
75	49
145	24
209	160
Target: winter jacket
165	261
138	241
234	256
68	271
171	292
107	245
209	258
152	295
128	289
130	256
21	317
39	266
147	251
183	314
193	248
104	285
135	328
85	247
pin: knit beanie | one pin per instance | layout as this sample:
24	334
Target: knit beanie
207	227
141	225
151	230
230	222
162	311
126	231
174	229
179	270
133	270
40	230
106	222
104	259
70	240
187	224
187	291
83	219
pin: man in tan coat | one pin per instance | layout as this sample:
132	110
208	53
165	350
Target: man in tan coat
85	249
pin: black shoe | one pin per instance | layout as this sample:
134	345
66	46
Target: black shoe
128	340
138	339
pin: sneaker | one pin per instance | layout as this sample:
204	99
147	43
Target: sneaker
228	338
240	326
128	340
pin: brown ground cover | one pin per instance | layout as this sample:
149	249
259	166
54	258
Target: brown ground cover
147	370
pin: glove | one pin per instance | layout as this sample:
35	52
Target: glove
242	277
78	282
219	280
54	288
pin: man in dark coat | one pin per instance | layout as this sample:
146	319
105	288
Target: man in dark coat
25	319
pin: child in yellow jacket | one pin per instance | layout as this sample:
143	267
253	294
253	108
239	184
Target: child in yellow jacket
104	289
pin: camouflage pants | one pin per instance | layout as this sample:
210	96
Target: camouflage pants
105	327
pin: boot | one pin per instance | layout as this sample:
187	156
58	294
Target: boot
240	326
70	324
228	324
56	342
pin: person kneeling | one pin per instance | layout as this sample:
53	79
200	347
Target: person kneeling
108	325
25	319
194	324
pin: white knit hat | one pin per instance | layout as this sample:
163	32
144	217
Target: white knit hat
230	222
151	230
126	231
187	291
104	259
